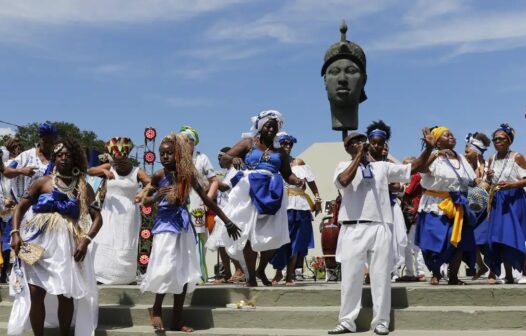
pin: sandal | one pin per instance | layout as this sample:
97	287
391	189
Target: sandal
157	322
339	329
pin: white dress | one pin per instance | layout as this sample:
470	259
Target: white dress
57	273
116	245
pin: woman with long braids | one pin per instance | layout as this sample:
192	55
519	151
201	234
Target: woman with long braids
62	227
174	264
299	216
445	222
257	202
116	246
507	206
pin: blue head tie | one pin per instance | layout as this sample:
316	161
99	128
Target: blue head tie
287	138
378	133
45	129
506	128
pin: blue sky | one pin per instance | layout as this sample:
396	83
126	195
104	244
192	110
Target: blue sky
118	66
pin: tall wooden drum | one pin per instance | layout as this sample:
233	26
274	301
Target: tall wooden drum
330	229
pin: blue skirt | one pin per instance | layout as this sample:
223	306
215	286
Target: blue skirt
433	235
507	230
481	230
301	238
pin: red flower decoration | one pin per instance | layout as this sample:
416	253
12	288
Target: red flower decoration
149	157
146	210
146	234
150	133
144	259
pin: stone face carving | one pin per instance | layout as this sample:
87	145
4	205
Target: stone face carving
344	73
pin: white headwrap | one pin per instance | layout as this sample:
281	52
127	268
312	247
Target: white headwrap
477	145
260	120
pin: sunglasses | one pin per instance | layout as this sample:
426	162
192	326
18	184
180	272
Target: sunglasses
499	139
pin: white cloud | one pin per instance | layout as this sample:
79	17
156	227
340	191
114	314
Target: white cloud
107	11
6	131
297	21
426	10
469	31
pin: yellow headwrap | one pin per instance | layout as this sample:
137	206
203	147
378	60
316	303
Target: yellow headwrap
438	131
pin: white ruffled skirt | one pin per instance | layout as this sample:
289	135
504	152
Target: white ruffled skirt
398	229
58	274
265	232
173	263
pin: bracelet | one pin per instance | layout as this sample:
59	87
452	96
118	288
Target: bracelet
229	225
13	231
88	238
317	198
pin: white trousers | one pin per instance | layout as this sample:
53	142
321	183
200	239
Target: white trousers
414	261
359	244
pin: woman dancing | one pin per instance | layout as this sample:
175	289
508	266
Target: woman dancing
115	247
299	216
256	202
174	264
507	205
63	225
444	227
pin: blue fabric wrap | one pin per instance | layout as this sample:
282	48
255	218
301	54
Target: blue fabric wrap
266	192
507	230
433	235
234	180
392	198
57	201
13	164
49	169
170	217
6	234
254	160
301	238
47	129
174	219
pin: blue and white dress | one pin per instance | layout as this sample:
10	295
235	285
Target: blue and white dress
56	227
434	228
299	220
173	259
257	204
506	234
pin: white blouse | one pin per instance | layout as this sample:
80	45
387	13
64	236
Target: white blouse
506	169
300	202
445	175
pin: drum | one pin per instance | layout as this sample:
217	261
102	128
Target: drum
330	230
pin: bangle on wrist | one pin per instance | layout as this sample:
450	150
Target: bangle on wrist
88	238
13	231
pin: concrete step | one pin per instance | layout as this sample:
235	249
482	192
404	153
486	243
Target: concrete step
312	294
147	330
412	318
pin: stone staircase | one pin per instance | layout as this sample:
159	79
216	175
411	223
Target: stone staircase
312	308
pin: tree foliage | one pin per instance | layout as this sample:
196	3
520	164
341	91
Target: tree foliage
28	135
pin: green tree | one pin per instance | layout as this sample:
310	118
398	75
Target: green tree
28	135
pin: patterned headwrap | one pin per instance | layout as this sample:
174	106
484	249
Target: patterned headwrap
475	144
261	119
438	131
284	137
378	133
119	147
510	132
46	128
191	133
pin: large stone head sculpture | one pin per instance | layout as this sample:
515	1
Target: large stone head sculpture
345	75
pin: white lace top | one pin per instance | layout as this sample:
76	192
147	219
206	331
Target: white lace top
506	169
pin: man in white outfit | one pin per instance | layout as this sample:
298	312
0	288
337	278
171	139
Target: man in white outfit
365	236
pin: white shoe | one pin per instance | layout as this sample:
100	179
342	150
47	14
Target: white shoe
522	280
381	330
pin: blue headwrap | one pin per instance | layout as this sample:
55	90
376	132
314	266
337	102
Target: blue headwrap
284	137
510	132
47	129
378	133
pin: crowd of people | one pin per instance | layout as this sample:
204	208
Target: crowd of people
68	233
